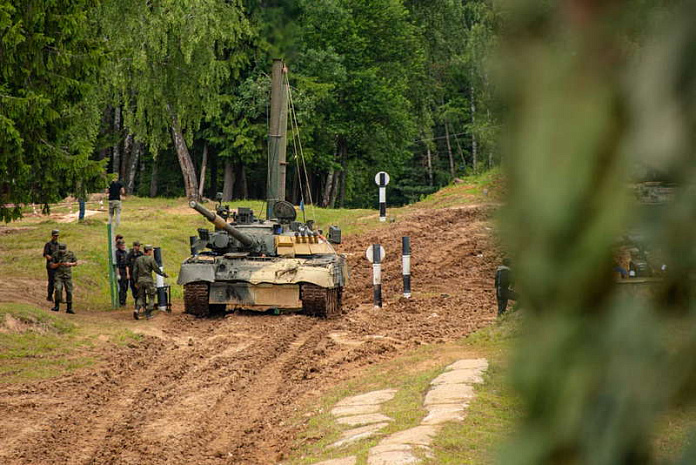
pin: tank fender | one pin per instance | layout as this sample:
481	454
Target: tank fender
191	272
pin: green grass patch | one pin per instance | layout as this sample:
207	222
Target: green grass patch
491	415
125	337
36	345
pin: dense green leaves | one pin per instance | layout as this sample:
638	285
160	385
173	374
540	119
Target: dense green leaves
399	85
49	113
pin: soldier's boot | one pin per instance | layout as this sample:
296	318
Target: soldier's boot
148	313
69	309
136	313
49	298
56	307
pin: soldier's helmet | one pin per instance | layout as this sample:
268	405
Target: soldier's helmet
136	243
62	246
55	232
147	247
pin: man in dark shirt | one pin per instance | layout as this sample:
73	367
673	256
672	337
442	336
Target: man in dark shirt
134	253
116	190
503	286
50	249
122	271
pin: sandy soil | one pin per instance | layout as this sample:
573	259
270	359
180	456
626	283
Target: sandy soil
221	391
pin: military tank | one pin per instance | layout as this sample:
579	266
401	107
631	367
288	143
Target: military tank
263	264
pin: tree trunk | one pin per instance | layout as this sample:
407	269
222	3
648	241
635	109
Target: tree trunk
459	150
490	152
336	188
430	165
126	157
201	184
188	170
328	188
474	142
212	187
243	186
449	151
153	178
343	152
116	153
133	166
228	186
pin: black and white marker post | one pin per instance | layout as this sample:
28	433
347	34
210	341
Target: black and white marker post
375	254
406	264
162	303
382	179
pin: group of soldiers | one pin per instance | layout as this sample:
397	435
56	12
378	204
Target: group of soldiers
59	264
134	269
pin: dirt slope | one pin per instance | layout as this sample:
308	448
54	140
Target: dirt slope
220	391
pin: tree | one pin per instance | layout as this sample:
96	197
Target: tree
365	52
49	111
168	61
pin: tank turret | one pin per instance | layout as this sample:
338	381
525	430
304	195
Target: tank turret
246	240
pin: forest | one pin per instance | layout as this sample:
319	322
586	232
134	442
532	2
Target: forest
171	96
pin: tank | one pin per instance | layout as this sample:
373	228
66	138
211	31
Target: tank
256	264
263	264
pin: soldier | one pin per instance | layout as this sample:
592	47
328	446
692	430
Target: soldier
50	249
142	274
503	286
134	253
62	262
122	271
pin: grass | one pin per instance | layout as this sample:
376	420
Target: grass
166	223
490	418
36	345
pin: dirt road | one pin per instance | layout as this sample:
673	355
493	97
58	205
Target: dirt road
221	391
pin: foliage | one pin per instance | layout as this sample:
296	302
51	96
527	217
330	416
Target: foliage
595	369
49	113
169	59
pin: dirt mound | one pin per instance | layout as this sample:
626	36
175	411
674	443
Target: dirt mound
223	391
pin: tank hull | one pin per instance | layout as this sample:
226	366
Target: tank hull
311	284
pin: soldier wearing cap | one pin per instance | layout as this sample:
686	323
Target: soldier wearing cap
142	274
122	271
50	249
134	253
62	262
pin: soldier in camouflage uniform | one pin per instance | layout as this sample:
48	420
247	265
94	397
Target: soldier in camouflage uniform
62	262
132	256
50	249
142	275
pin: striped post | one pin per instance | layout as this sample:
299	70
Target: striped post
161	288
377	274
406	264
382	196
113	285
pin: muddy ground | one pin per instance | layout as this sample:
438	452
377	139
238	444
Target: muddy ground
222	391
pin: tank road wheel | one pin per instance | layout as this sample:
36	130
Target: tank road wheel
196	299
320	301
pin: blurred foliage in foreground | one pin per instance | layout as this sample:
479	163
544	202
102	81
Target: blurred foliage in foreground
588	100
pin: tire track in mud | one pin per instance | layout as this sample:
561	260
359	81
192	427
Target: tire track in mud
223	391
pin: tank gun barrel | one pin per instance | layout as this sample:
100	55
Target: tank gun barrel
222	224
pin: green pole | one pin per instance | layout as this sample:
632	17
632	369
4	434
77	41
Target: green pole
111	266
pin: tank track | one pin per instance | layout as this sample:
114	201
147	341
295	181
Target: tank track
320	301
196	299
